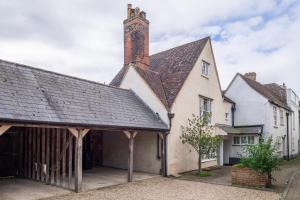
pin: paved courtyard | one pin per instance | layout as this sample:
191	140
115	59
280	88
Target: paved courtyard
170	189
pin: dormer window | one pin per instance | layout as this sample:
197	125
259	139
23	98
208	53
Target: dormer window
205	68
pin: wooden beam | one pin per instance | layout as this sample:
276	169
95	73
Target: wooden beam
52	171
79	134
64	142
57	166
130	136
4	128
43	163
70	158
78	164
48	138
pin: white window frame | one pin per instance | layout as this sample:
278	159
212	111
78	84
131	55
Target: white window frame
281	117
205	68
237	140
275	118
206	109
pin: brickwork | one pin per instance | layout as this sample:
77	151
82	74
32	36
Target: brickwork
247	176
136	38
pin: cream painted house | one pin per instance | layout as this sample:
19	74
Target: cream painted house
175	84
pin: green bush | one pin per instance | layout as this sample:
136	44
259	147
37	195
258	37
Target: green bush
261	157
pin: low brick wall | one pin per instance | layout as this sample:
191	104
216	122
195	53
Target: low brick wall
249	177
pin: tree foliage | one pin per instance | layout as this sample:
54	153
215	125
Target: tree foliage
261	157
199	134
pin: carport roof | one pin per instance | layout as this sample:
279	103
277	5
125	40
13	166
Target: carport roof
239	130
31	95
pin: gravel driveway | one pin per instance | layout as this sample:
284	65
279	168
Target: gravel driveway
170	189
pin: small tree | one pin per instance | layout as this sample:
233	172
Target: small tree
262	157
198	134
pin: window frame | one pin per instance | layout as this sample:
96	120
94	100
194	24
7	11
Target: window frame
237	140
275	117
281	117
205	68
208	108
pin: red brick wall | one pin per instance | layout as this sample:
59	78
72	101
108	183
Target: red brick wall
247	176
136	38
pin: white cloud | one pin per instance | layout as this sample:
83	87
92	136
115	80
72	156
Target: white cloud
85	37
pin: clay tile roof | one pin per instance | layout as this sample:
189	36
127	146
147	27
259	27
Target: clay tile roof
267	91
31	95
277	91
172	68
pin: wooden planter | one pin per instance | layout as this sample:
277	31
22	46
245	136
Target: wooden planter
248	177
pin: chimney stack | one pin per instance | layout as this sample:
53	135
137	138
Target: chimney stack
251	75
136	38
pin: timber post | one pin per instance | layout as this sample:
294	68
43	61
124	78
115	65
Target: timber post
79	135
130	136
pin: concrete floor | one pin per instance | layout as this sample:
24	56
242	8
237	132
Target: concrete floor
24	189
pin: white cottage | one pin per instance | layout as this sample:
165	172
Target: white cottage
272	107
175	84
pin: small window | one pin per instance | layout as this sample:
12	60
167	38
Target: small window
275	115
236	140
205	68
244	140
281	117
250	139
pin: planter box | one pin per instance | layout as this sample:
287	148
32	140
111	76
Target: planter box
248	177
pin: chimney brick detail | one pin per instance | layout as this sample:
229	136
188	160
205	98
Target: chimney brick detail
251	75
136	38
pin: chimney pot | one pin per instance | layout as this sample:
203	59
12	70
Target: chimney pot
251	75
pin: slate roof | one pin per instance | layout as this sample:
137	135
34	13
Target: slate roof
168	70
241	129
266	91
33	95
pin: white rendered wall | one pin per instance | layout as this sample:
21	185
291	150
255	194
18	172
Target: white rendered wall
182	157
132	80
250	105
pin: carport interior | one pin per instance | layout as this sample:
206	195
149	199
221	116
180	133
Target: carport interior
50	155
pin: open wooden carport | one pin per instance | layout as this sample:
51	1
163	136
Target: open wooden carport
49	115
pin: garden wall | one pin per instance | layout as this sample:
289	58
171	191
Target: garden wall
249	177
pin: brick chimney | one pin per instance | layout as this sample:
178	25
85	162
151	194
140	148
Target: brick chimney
136	38
251	75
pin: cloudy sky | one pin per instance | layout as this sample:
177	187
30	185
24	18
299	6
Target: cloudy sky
84	38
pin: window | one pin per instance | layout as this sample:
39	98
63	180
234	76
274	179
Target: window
243	140
226	116
205	108
293	121
236	140
275	115
250	139
281	117
205	68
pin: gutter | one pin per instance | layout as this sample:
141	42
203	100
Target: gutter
233	109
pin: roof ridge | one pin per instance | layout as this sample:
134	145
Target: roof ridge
59	74
180	45
266	89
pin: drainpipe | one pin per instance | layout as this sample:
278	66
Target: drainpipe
233	108
170	116
287	136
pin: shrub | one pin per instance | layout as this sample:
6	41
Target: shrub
261	157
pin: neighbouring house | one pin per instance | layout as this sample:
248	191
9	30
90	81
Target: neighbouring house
176	84
272	107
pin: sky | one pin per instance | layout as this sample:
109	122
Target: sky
84	38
